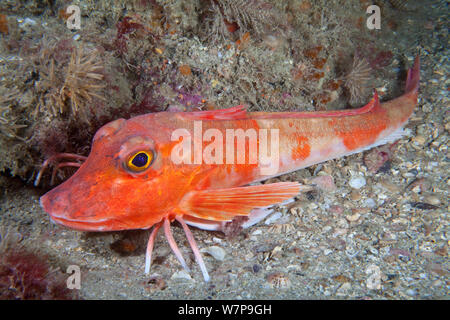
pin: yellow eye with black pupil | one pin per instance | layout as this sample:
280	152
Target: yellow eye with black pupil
140	161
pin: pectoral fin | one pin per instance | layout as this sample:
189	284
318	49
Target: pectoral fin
224	204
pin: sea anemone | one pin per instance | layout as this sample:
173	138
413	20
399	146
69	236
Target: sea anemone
79	86
356	80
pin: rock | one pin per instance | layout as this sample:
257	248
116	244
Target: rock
420	140
411	292
181	275
216	252
257	232
357	182
353	217
389	186
344	289
433	200
355	195
373	280
369	203
324	182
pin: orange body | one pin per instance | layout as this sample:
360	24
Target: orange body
105	195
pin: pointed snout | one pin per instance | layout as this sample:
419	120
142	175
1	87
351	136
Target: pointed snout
55	204
67	205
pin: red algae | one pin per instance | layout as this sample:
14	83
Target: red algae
25	275
381	60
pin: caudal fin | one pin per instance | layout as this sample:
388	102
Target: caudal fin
412	80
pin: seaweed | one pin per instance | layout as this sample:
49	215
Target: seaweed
381	59
125	27
26	274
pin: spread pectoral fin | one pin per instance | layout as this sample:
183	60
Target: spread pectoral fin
224	204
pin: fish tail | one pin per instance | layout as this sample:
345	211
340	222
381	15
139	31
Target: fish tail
400	109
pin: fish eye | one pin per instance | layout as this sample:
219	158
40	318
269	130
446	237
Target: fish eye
140	161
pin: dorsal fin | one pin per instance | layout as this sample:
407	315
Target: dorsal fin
240	113
233	113
371	106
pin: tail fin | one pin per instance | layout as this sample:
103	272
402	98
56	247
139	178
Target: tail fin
412	80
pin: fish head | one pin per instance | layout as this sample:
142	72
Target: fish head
125	183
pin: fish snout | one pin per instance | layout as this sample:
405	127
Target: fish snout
68	207
56	204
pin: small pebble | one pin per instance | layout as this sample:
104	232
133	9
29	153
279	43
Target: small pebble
344	289
389	186
411	292
353	217
217	240
355	195
26	22
181	275
433	200
420	140
324	182
373	280
256	232
216	252
256	268
369	203
357	182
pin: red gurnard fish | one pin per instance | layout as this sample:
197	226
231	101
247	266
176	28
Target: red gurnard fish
131	181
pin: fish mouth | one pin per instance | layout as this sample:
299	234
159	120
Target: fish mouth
80	225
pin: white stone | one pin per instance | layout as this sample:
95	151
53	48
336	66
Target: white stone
181	275
216	252
357	182
369	203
